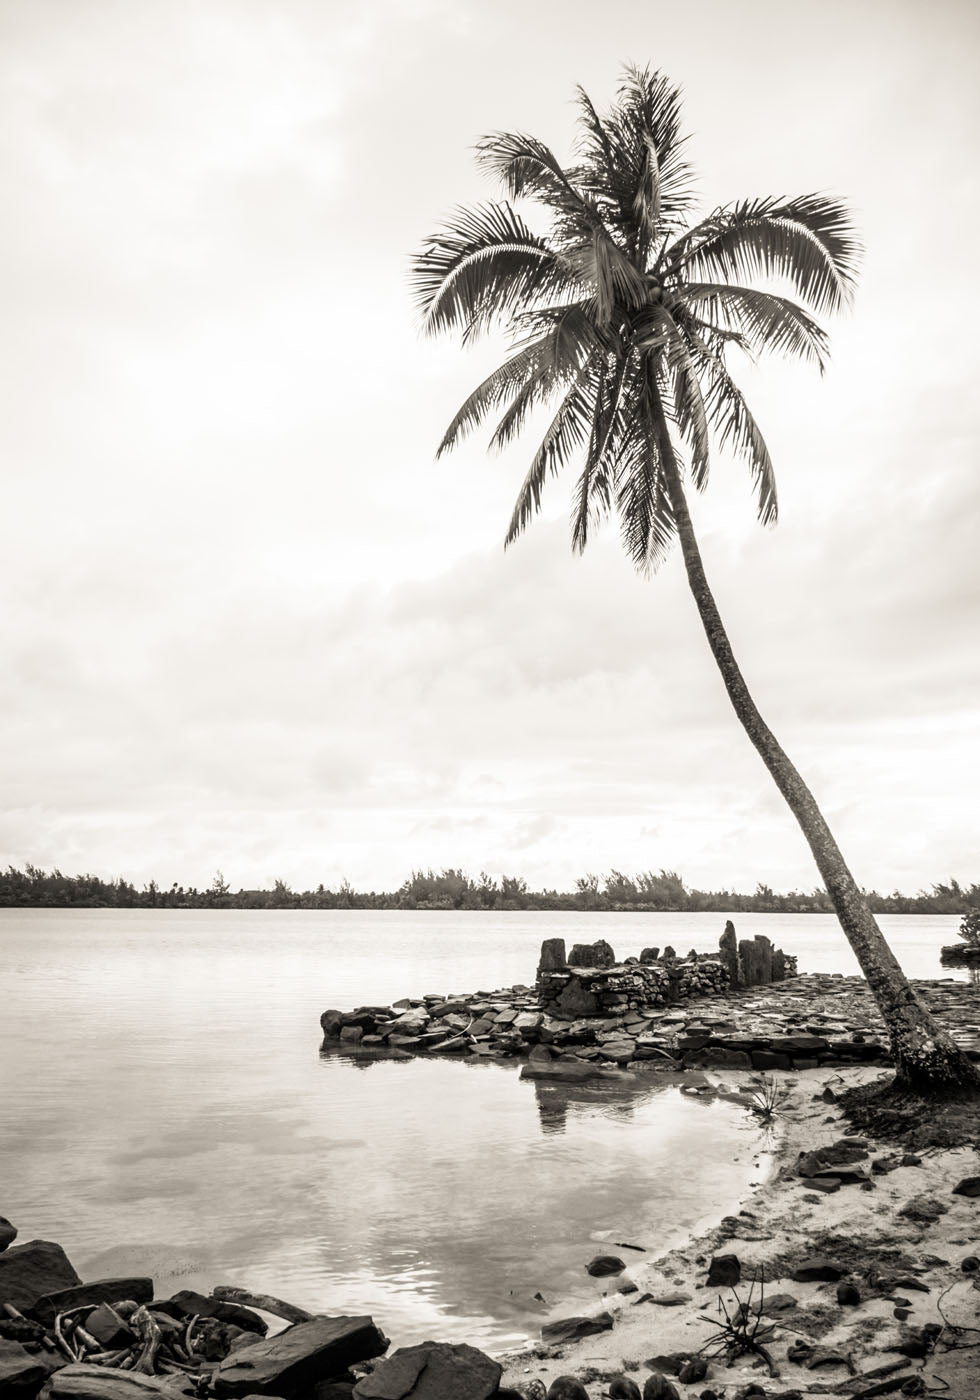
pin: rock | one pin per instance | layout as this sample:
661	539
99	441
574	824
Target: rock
925	1209
847	1295
623	1388
695	1370
750	962
299	1357
598	954
28	1271
78	1382
189	1303
20	1372
603	1265
818	1269
729	953
725	1271
567	1388
670	1300
8	1233
432	1371
801	1045
330	1024
568	1329
107	1327
827	1184
969	1186
649	955
102	1290
552	958
970	1264
658	1387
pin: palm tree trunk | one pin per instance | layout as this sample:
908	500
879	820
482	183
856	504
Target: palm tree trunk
927	1059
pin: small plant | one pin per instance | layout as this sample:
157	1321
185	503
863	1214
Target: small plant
741	1333
969	929
764	1098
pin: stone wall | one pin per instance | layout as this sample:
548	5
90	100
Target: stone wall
590	982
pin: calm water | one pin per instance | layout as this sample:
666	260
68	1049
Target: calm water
163	1107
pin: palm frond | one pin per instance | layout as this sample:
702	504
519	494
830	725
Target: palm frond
647	525
734	426
592	490
762	322
808	241
566	432
485	264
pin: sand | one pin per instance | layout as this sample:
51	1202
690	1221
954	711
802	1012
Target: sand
783	1221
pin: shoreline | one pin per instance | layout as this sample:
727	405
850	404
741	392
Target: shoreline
904	1219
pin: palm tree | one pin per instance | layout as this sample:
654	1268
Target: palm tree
621	318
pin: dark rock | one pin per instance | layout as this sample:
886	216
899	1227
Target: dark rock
695	1370
598	954
603	1265
818	1269
847	1295
567	1329
769	1059
28	1271
827	1184
299	1357
567	1388
576	1000
764	958
909	1159
20	1372
649	955
188	1303
623	1388
725	1271
750	962
729	954
970	1264
552	957
330	1024
658	1387
108	1328
670	1362
432	1371
969	1186
8	1233
101	1290
799	1045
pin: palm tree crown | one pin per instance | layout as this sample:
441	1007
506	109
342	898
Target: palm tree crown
622	316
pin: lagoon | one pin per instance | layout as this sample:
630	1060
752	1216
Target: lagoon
164	1108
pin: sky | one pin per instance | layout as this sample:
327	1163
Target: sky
251	624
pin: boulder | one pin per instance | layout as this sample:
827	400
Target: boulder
108	1328
552	957
102	1290
750	962
725	1271
649	955
969	1186
764	958
28	1271
598	954
604	1265
575	1000
432	1371
8	1233
567	1388
568	1329
20	1372
299	1357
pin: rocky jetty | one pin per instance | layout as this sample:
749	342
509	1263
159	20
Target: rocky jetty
589	1015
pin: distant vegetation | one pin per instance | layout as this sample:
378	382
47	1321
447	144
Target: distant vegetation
648	892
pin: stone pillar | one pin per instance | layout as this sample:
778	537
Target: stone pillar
552	955
729	954
598	954
765	958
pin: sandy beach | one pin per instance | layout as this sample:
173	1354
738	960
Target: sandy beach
898	1234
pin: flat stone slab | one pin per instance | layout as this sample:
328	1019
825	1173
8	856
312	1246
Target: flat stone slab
100	1290
104	1383
299	1357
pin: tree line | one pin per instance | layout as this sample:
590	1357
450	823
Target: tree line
650	891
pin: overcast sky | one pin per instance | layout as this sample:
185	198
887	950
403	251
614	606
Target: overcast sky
248	621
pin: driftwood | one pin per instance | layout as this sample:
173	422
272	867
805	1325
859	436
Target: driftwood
148	1331
227	1294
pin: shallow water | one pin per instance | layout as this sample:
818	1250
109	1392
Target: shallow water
163	1106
